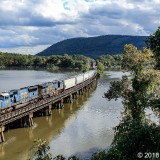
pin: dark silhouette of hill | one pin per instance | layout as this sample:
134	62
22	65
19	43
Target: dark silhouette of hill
94	46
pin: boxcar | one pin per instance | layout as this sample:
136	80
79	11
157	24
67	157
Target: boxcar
79	78
4	100
68	83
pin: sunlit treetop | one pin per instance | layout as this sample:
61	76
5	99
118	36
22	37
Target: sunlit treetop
135	60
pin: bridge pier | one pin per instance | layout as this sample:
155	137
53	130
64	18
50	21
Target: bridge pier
28	120
75	95
2	139
80	92
70	99
59	104
48	110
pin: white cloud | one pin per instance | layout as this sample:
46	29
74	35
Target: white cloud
32	22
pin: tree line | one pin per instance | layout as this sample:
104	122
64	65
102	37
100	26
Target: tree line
47	62
111	61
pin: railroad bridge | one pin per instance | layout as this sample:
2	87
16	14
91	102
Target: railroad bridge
24	115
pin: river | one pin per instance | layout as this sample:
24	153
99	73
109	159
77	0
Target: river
81	128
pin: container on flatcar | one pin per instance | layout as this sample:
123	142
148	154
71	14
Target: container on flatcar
33	92
70	82
91	73
79	78
23	94
4	100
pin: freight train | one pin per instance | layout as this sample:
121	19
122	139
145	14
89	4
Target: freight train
10	100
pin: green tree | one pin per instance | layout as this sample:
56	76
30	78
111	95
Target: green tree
135	133
100	69
41	150
153	42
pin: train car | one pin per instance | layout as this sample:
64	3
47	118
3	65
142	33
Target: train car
45	88
50	87
70	82
57	85
91	73
4	100
33	92
23	94
60	85
79	78
14	96
85	76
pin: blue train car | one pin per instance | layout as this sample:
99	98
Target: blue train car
14	96
45	88
57	85
50	87
33	92
4	100
23	94
60	85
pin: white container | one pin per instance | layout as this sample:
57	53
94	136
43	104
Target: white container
68	83
79	78
91	73
85	75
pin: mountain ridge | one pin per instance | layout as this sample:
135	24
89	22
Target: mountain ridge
94	46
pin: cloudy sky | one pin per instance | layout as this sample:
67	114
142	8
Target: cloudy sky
34	23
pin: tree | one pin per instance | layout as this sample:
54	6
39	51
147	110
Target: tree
153	42
41	149
100	69
135	133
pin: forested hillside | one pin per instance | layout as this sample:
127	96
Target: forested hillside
94	46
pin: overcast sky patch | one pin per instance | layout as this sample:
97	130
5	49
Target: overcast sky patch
44	22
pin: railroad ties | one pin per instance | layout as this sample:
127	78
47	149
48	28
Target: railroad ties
23	116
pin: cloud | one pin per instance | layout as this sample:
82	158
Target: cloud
44	22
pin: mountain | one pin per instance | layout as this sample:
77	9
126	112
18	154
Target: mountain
94	46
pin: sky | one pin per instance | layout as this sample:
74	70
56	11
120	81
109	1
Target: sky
35	24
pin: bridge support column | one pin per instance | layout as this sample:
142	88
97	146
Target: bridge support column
48	110
70	99
28	121
62	103
80	92
75	95
2	139
59	104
